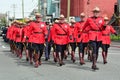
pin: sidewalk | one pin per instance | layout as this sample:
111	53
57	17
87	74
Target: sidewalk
115	44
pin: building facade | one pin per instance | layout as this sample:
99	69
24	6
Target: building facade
86	6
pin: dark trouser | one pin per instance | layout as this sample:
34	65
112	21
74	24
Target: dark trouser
105	52
38	48
60	48
95	49
80	47
47	50
60	51
95	46
73	46
20	46
105	47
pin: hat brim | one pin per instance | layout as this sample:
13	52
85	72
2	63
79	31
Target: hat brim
95	11
61	18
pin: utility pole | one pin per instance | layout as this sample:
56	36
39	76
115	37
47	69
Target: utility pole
68	10
39	6
23	10
13	6
8	15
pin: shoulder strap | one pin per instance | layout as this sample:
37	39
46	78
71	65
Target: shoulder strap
97	25
62	28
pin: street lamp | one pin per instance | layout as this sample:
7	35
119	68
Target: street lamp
23	9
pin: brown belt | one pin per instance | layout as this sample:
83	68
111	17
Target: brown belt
85	32
105	34
96	30
62	34
17	36
38	32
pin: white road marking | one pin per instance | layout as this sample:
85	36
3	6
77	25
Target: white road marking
3	47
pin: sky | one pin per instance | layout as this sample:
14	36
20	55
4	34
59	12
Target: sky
7	6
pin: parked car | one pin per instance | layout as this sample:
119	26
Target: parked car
4	34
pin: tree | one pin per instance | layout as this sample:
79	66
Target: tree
3	21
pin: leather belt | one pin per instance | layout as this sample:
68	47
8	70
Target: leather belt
38	32
105	34
17	35
62	34
96	30
85	32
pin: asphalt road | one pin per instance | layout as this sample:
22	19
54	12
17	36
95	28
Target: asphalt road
13	68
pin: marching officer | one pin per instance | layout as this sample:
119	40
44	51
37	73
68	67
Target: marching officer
72	41
95	24
18	39
61	31
28	44
25	37
107	29
51	39
9	35
47	44
78	33
38	35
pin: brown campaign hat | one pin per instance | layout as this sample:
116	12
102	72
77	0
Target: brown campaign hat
56	21
72	21
62	16
106	18
96	9
27	19
38	15
82	14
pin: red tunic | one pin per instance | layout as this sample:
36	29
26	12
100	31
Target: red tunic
51	35
61	34
37	32
106	34
25	33
95	27
85	35
78	31
72	30
18	34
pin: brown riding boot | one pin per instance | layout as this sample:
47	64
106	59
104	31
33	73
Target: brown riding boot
31	58
65	54
27	55
59	56
94	67
104	57
36	61
55	56
73	56
20	54
81	59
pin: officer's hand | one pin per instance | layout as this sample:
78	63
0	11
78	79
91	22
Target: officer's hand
104	26
74	39
116	34
70	37
78	35
52	42
46	39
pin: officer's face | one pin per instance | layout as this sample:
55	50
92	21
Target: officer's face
96	13
106	21
38	18
62	21
82	18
